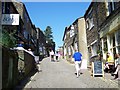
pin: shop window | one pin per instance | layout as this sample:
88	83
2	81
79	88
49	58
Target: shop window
105	45
118	37
118	40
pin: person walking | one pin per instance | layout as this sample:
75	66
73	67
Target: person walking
51	55
77	59
57	56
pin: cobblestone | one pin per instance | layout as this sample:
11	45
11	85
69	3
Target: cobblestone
62	75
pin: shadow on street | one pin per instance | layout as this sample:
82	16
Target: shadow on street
23	83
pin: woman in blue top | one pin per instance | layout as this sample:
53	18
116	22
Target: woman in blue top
77	58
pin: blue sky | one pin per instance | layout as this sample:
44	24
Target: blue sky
58	15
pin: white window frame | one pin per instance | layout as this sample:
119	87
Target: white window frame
113	6
72	33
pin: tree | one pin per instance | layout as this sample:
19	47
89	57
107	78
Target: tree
49	38
8	39
48	34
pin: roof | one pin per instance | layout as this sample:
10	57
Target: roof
65	32
88	9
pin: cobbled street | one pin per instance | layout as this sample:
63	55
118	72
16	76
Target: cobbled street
62	75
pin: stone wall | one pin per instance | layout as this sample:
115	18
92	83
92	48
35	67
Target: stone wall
9	68
11	63
29	63
99	15
26	64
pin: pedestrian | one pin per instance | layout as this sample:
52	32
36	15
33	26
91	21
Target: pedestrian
51	55
77	59
109	63
117	71
37	64
30	52
57	56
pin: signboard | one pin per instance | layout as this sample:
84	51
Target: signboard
97	68
10	19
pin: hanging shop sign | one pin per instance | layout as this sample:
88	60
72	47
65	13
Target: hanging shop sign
10	19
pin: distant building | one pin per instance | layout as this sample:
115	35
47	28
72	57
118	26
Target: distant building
60	51
41	42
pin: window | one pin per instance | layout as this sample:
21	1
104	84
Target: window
71	32
94	49
105	44
69	51
65	38
118	40
7	7
89	20
111	6
76	46
3	7
25	33
87	24
118	37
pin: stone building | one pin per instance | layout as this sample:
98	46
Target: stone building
81	41
33	38
75	39
68	42
92	25
110	30
28	27
65	37
11	22
97	14
41	42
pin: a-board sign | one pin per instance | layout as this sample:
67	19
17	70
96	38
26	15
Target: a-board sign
97	67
